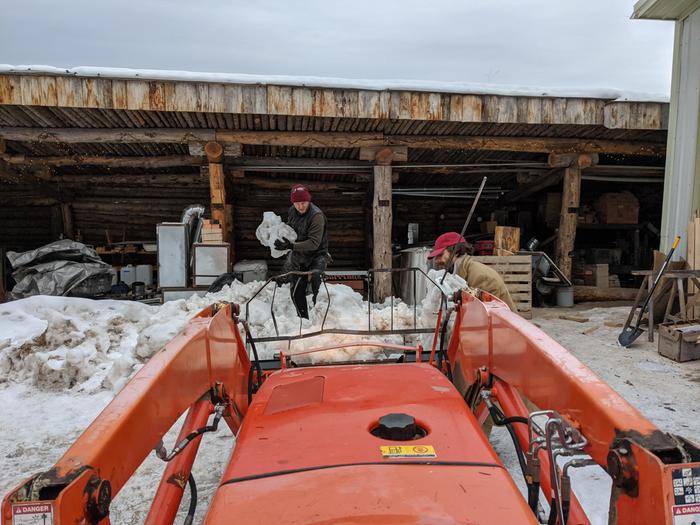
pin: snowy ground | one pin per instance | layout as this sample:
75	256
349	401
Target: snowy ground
61	360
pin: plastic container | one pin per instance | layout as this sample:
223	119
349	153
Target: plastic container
253	270
144	273
565	296
128	274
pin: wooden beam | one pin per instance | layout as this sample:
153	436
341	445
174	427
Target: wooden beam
231	149
564	160
214	152
119	135
334	140
67	214
544	181
297	163
237	176
530	144
592	293
304	139
166	161
570	199
217	193
384	155
381	228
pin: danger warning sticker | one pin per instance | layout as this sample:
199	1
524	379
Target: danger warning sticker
686	515
686	486
410	451
36	513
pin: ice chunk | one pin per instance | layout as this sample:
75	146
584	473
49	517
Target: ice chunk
271	229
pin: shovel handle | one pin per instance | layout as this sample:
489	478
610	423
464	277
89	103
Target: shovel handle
662	270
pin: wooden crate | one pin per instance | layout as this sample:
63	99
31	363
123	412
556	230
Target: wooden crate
516	271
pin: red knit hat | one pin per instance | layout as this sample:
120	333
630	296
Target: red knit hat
445	241
300	193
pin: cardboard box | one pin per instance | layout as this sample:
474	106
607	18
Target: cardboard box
618	208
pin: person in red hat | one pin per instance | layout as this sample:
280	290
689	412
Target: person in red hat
309	253
476	274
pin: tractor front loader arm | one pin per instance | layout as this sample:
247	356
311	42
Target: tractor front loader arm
494	348
204	365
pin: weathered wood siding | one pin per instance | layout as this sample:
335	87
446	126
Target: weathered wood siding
159	95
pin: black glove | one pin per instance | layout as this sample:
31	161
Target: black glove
284	244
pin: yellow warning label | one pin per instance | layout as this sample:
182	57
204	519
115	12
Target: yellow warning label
408	451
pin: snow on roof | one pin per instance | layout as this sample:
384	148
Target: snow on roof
432	86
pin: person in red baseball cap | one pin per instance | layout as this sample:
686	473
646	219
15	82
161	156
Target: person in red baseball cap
309	253
476	274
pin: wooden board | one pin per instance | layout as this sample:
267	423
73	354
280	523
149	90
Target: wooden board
693	258
516	271
506	238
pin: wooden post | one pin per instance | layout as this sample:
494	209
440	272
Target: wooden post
217	185
381	213
570	200
67	214
382	221
237	175
56	222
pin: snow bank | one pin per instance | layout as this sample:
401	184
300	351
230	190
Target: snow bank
340	83
60	343
271	229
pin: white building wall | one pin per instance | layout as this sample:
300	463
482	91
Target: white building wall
682	184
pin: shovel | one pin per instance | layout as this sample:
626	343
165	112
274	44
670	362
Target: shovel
629	335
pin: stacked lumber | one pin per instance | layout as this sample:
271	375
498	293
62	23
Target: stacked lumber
212	232
516	271
693	258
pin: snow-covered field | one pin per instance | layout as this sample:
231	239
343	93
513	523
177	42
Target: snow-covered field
62	360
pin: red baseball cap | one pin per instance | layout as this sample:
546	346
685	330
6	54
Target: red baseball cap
445	241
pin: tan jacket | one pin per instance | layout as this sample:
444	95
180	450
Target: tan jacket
480	276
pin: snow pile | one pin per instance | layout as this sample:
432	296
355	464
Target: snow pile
271	229
62	343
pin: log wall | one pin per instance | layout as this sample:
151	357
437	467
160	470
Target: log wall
345	204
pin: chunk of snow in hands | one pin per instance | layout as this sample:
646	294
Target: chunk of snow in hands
271	229
59	343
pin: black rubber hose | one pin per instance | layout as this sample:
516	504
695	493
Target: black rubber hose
552	512
533	495
499	419
250	385
256	359
565	505
193	501
443	353
192	435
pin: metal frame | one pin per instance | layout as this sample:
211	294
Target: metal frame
369	278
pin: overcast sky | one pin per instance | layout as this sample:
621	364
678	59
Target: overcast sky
550	43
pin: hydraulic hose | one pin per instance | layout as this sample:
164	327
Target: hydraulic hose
499	419
160	449
552	520
442	354
193	500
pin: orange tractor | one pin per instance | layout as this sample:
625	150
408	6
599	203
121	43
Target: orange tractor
395	441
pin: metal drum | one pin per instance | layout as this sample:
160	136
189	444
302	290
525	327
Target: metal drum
414	258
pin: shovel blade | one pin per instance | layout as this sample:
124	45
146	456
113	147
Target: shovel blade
629	336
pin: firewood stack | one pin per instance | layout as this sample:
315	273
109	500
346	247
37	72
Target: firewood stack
211	232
